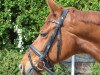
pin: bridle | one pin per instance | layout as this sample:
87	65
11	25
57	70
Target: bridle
48	65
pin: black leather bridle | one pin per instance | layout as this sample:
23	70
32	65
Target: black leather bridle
48	65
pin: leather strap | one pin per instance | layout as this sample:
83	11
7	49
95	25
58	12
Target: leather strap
49	44
58	45
48	65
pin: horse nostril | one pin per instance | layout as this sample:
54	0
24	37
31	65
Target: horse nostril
20	67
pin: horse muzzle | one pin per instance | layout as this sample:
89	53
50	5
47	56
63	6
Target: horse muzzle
28	70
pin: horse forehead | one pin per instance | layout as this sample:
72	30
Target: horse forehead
46	24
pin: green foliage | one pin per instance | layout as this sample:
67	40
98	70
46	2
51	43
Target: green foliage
9	61
28	15
82	4
60	69
96	69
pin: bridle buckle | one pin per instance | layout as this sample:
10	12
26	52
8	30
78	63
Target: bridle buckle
53	21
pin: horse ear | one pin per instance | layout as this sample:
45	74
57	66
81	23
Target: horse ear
55	9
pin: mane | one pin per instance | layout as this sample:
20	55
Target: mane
92	17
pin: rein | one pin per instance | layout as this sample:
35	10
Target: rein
57	33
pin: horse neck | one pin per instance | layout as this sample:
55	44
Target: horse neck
87	33
84	32
85	24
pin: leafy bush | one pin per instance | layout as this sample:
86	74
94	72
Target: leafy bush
96	69
27	15
60	69
9	61
82	4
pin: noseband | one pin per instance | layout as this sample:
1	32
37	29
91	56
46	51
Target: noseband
48	65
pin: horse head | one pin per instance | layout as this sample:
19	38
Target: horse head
45	34
60	37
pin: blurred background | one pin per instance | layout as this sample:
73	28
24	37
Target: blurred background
20	22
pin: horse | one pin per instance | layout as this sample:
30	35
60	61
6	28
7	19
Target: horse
66	32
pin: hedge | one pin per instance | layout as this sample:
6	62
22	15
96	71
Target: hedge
9	61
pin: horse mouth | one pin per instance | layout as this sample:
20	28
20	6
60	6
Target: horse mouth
30	72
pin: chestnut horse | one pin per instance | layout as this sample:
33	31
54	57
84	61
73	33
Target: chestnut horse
80	33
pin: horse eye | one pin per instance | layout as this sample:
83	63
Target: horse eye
43	34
